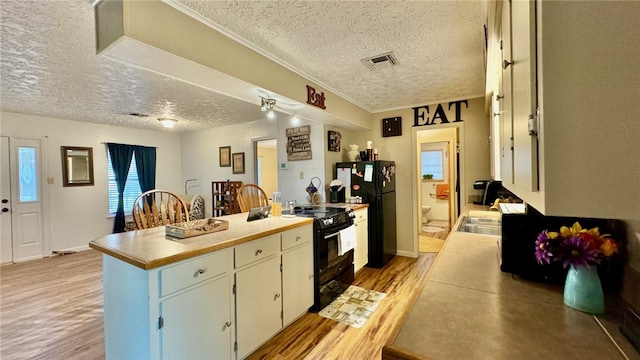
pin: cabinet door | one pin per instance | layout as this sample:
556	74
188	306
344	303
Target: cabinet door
258	304
506	115
196	323
297	282
523	52
361	253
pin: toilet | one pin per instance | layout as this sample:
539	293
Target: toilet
425	210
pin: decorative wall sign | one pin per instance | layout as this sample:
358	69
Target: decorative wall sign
225	156
421	114
238	163
392	126
298	143
314	98
333	139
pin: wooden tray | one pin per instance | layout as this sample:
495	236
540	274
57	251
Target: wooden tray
196	227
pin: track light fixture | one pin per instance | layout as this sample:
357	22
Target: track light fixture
267	104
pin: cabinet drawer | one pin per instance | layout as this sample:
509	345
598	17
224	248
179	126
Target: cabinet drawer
297	236
193	271
256	250
361	215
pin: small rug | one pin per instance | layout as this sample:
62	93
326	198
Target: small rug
354	306
429	244
439	223
432	229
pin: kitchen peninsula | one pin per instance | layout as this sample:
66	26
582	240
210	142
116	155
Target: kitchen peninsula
205	296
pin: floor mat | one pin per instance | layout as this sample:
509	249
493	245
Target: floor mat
354	306
432	229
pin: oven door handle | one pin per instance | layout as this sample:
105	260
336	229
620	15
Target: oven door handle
337	232
330	235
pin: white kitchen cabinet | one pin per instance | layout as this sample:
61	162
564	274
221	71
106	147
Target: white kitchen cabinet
519	165
297	281
361	252
258	304
203	313
583	79
182	310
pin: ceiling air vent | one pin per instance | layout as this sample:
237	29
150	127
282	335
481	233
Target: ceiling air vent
138	115
382	61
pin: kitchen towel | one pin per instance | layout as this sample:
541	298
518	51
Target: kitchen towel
346	240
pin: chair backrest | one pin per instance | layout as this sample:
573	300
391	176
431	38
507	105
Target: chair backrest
251	196
158	208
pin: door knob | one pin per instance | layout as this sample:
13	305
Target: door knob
5	209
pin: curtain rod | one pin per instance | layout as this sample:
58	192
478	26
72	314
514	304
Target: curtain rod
105	143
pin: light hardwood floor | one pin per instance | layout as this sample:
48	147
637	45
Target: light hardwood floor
52	309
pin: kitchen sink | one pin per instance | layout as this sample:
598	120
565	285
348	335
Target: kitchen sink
479	225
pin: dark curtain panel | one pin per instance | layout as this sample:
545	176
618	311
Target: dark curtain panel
146	167
121	156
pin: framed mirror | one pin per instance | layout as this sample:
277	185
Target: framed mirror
77	166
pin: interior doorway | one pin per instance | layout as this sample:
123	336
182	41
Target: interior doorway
437	171
266	165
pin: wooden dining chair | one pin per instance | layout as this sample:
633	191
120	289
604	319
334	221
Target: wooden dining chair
158	208
251	196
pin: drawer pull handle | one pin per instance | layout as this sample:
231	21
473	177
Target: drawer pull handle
276	297
505	64
298	238
226	325
202	271
258	252
310	276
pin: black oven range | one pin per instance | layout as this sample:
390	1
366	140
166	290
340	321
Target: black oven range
333	273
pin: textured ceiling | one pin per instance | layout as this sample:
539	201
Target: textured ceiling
49	66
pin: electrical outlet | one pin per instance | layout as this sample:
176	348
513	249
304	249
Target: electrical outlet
301	174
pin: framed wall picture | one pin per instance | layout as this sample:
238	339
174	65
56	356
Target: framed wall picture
334	138
238	163
225	156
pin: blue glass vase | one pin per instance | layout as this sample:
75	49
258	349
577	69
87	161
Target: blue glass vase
583	290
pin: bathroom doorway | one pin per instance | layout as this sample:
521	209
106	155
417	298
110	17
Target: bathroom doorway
437	186
266	166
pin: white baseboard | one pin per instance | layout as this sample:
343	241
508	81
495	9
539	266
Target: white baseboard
410	254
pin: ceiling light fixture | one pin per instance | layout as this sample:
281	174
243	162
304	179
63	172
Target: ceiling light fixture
167	122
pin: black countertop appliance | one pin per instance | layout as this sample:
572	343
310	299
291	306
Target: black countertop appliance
336	192
374	182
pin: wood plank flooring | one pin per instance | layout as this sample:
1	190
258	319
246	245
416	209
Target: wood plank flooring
52	309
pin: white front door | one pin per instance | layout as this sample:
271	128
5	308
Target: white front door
6	253
26	199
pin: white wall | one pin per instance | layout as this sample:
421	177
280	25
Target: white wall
475	160
292	185
201	158
78	215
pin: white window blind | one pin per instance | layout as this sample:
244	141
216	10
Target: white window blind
431	163
131	188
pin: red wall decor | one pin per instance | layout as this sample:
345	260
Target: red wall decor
314	98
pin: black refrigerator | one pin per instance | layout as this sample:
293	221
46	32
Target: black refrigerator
375	183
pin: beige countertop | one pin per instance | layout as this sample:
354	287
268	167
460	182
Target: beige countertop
150	248
469	309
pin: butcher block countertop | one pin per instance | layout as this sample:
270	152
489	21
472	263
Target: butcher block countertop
151	248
